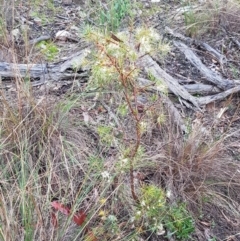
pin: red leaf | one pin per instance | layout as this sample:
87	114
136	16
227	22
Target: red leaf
54	220
79	218
60	207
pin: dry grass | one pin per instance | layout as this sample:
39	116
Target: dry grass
48	154
212	17
39	162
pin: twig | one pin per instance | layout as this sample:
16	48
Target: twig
220	57
112	115
220	96
209	74
152	67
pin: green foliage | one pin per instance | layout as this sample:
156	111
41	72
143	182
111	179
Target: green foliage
115	65
153	198
152	209
26	207
44	19
191	22
179	222
105	134
48	49
157	215
112	16
25	200
123	109
48	3
111	224
138	155
96	163
2	28
117	60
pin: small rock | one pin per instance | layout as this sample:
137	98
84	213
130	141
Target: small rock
38	21
16	34
63	35
24	27
74	28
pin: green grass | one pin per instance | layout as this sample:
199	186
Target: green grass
48	49
112	17
109	16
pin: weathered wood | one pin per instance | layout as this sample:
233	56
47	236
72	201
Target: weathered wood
150	66
65	70
209	74
215	54
220	96
10	70
201	89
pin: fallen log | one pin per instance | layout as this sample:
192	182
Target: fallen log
201	89
151	66
198	89
69	69
208	99
211	76
213	52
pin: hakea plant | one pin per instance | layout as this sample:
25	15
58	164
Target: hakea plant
115	61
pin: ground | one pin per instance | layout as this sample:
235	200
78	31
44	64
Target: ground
75	148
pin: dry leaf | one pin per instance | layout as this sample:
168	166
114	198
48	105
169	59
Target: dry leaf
60	207
79	217
54	220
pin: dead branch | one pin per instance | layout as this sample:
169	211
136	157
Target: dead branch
220	96
206	72
65	70
150	66
215	54
201	89
72	68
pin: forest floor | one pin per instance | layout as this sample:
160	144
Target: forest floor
88	160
